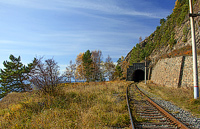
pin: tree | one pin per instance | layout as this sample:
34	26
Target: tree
140	39
121	68
109	68
124	67
162	21
136	54
87	65
96	64
70	71
45	75
13	78
79	73
119	61
118	72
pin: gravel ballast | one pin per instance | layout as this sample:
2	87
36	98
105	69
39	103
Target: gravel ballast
184	116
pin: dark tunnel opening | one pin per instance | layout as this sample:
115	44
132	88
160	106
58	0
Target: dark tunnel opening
138	75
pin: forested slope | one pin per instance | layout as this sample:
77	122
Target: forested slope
171	38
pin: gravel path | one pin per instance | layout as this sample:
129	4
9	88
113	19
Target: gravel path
184	116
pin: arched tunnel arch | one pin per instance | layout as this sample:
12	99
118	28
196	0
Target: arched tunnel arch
138	75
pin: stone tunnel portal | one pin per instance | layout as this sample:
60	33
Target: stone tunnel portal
138	75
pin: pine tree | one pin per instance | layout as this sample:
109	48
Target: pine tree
13	76
118	71
87	64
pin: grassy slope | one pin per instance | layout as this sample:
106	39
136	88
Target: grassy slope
94	105
180	97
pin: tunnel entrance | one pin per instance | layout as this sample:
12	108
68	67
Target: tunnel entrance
138	75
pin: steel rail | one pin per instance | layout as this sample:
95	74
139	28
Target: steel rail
129	110
172	118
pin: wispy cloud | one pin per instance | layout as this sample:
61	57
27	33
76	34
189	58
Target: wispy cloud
8	42
109	7
104	6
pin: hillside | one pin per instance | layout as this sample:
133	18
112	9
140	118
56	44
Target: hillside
171	38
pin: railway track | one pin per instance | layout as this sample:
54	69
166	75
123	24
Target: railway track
145	114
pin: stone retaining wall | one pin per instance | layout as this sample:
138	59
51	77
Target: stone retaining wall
174	72
187	77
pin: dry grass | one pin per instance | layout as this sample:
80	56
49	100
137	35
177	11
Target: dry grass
185	51
179	96
81	105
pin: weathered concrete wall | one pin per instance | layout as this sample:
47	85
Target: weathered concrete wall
175	72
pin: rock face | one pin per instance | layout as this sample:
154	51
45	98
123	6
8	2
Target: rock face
182	35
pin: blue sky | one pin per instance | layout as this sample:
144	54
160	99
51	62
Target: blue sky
63	28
